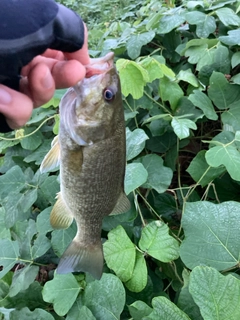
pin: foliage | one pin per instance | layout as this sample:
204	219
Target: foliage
175	254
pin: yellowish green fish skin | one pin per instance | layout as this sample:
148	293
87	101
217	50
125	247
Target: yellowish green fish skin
92	164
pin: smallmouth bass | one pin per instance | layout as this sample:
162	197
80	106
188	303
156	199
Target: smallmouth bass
91	151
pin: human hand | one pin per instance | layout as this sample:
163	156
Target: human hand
45	73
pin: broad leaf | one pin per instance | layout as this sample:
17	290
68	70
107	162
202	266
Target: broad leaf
201	100
182	127
211	234
221	92
105	298
120	253
22	279
80	312
201	171
159	176
135	141
12	181
156	241
136	42
26	314
138	280
216	295
9	253
62	292
133	77
135	176
139	310
62	238
228	17
170	21
165	309
227	155
170	91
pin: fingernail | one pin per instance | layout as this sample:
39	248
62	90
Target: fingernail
5	97
47	81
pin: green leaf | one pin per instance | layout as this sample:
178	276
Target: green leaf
33	141
216	295
135	176
133	77
170	21
136	41
159	176
202	101
26	314
228	17
181	127
62	292
200	170
138	280
4	232
188	76
170	91
80	312
135	141
165	309
22	279
139	309
12	181
62	238
235	60
9	253
120	253
221	92
155	69
43	221
185	300
205	24
232	39
41	245
231	117
227	155
156	241
105	298
211	234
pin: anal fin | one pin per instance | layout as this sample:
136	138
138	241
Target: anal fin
122	205
60	217
52	158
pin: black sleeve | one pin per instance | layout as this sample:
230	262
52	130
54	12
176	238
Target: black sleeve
27	29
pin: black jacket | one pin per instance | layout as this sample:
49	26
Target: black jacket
27	29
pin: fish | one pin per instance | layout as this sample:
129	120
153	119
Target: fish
91	151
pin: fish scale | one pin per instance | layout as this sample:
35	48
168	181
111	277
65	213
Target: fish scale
91	150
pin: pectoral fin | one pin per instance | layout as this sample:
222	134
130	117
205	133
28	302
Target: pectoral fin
122	205
52	158
60	217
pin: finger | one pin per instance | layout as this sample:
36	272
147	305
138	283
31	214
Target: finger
15	106
54	54
68	73
39	85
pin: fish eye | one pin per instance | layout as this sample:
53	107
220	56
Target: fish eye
108	95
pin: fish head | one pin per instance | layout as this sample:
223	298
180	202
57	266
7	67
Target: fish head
93	110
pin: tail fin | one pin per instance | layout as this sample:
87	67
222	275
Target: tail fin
78	258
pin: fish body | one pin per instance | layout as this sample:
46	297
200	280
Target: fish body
91	149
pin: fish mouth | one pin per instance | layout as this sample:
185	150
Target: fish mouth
99	65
